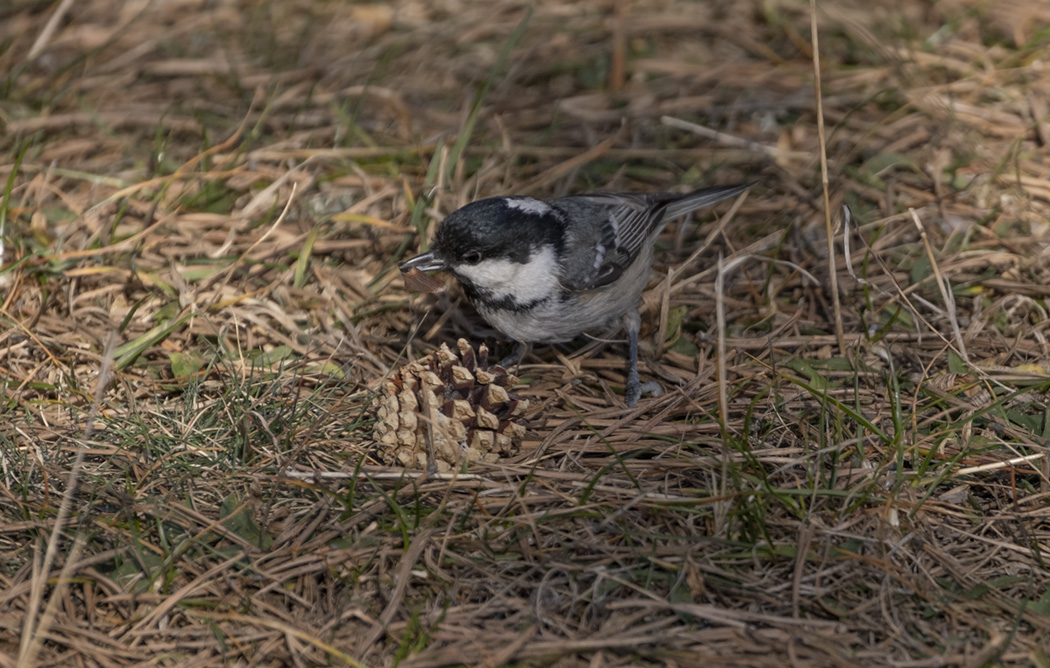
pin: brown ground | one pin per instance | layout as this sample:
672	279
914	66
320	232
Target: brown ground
205	201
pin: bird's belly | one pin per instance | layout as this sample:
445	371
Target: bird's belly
567	314
563	319
540	324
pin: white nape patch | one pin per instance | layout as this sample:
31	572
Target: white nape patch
525	283
528	205
599	255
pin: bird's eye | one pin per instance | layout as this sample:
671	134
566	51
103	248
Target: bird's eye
472	257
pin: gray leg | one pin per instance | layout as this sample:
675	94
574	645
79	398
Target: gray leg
633	391
521	348
635	387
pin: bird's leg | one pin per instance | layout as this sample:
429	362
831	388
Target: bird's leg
635	387
633	391
521	348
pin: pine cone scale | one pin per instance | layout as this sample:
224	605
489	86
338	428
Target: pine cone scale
470	412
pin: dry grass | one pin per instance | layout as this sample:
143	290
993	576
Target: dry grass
224	187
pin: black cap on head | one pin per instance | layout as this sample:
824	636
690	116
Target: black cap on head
506	228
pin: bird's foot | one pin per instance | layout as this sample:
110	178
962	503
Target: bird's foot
635	388
652	388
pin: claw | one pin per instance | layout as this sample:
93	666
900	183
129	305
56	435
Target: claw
652	388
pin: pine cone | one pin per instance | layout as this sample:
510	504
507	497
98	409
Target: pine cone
466	406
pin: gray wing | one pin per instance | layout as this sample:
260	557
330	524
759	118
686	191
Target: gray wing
609	230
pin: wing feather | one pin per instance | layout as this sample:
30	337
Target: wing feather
611	229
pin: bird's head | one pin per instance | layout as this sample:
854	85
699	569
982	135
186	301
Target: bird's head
501	247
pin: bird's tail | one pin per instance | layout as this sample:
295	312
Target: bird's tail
698	199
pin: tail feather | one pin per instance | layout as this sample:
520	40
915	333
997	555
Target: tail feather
698	199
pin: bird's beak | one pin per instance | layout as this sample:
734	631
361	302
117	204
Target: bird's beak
425	262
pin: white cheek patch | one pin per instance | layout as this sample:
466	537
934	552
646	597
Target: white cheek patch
528	205
530	282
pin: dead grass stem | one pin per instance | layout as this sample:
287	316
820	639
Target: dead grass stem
851	471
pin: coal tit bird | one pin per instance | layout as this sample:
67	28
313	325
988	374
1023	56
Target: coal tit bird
544	271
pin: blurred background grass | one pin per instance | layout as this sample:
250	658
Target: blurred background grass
222	189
